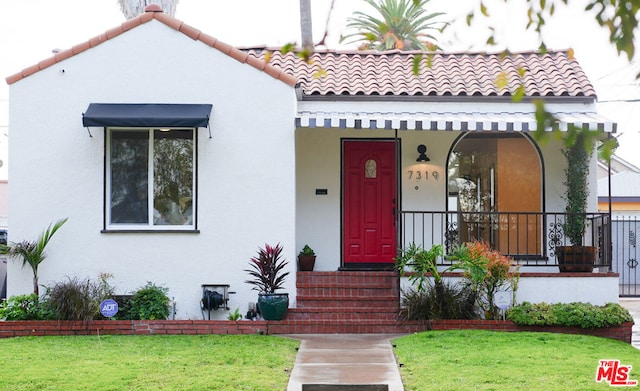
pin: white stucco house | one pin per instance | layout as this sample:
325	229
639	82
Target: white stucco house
175	156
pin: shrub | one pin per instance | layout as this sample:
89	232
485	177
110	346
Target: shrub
149	302
79	299
487	272
421	264
26	307
583	315
442	300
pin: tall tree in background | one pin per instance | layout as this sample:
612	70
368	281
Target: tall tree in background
133	8
305	24
400	24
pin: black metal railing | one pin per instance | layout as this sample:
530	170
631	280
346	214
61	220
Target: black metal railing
530	238
626	254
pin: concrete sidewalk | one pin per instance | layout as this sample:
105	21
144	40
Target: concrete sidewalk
350	361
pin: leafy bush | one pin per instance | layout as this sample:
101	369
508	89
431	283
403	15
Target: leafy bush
488	272
149	302
440	301
26	307
79	299
235	315
421	264
583	315
485	273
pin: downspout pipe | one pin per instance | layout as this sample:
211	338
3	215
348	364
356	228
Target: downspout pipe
610	219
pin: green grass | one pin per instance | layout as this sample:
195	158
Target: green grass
485	360
208	362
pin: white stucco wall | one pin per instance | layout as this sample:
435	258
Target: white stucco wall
594	290
246	181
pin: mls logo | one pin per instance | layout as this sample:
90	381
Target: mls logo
614	373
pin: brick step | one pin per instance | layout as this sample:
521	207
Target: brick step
335	314
347	292
342	327
352	279
342	285
346	302
342	301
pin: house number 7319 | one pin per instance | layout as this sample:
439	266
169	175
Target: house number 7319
418	175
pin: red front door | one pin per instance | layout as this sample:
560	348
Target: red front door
369	203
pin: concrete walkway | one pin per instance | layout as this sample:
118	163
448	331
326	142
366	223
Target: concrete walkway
364	362
345	362
633	305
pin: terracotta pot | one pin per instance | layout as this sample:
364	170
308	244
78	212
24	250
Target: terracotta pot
306	262
576	258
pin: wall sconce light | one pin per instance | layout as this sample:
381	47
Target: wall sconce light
422	151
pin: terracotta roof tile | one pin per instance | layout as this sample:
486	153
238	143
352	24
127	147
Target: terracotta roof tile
131	23
170	21
390	73
155	12
189	31
114	32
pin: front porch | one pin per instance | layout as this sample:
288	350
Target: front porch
531	239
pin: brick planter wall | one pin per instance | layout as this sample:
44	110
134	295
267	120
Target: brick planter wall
193	327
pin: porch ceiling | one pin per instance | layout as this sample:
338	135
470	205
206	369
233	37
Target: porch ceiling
518	122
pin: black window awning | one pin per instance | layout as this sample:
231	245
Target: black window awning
147	115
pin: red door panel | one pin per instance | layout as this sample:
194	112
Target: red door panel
369	196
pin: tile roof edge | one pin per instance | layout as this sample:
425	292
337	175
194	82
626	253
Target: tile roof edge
408	52
152	13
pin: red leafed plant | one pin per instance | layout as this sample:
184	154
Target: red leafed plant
267	269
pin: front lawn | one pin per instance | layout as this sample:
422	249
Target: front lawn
207	362
487	360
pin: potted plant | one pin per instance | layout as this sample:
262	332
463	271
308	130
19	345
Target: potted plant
268	275
577	257
306	259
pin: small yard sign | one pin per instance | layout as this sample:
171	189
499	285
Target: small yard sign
109	308
502	299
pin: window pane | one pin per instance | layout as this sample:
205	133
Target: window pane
173	177
129	171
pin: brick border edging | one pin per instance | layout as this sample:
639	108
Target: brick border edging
621	333
199	327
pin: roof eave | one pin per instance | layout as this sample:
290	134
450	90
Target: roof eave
446	98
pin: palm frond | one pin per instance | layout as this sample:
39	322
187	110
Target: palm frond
133	8
32	252
397	24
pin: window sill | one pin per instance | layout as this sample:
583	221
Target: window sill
150	231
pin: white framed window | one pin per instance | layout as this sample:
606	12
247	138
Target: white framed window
150	179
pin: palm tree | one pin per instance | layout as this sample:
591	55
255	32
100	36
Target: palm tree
403	25
305	24
133	8
32	252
